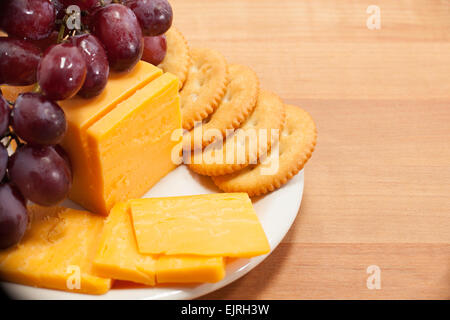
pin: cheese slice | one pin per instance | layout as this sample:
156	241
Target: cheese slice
56	252
118	257
189	269
223	224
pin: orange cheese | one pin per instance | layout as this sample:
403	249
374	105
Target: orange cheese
130	147
83	113
117	255
56	252
189	269
223	224
119	258
120	142
12	92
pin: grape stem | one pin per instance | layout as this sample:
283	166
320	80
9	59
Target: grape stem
36	88
62	30
9	142
12	136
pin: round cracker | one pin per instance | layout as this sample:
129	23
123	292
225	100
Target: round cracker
178	59
205	86
234	108
268	115
296	145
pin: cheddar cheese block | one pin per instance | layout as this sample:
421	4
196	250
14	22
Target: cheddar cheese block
119	258
130	148
56	252
222	224
119	142
81	114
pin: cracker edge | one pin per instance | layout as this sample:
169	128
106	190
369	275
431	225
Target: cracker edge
220	170
212	106
185	70
238	120
278	182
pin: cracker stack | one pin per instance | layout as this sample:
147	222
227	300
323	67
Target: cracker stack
228	103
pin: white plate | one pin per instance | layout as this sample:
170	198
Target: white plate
276	211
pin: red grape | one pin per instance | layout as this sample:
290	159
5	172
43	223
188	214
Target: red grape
155	16
61	71
83	4
117	27
155	49
43	44
41	174
60	9
3	161
63	154
28	19
18	62
4	115
96	64
38	120
13	216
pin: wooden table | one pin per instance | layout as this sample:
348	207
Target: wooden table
377	189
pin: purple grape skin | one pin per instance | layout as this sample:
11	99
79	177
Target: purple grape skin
61	71
45	43
4	115
28	19
13	216
83	4
38	120
117	28
3	161
41	174
96	64
155	16
63	154
60	9
155	49
19	60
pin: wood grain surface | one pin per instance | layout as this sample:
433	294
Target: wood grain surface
377	189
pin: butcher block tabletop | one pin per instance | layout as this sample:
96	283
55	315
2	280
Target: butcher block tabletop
374	222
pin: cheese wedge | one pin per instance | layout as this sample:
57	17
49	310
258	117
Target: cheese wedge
119	258
109	134
223	224
130	148
56	252
120	142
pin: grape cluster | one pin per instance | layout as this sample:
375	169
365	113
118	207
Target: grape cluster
40	50
39	169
